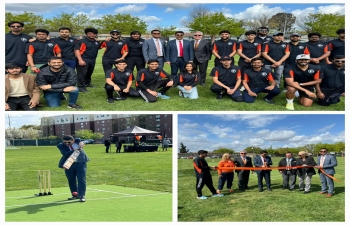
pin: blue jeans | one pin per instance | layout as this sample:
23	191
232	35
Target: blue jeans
225	177
53	99
192	94
77	172
72	63
326	181
271	93
277	71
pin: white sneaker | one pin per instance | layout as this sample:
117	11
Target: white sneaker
297	94
242	88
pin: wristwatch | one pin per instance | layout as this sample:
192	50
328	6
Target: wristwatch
301	84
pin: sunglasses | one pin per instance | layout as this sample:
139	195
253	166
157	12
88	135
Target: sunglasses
179	35
115	34
155	33
300	155
15	26
322	151
197	35
339	61
66	142
243	153
263	30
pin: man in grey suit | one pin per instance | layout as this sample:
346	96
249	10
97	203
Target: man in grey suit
154	48
177	53
327	163
202	54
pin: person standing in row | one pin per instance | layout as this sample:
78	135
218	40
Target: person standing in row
66	44
326	162
135	56
306	172
263	161
248	50
319	51
288	175
337	46
224	47
225	173
243	175
202	55
154	48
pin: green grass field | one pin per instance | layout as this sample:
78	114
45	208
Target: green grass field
95	99
253	206
129	187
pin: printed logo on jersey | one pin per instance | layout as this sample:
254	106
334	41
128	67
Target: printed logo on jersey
97	43
256	44
156	73
233	71
301	47
127	74
50	45
141	43
311	71
283	46
264	74
120	43
320	45
269	39
24	39
229	43
71	40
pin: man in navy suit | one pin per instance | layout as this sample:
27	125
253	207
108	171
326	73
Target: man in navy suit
77	171
263	160
177	53
243	175
202	54
154	48
327	163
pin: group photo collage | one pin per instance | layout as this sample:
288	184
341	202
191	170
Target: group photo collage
171	113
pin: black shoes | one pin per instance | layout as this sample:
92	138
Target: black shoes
269	189
74	106
73	198
83	89
260	190
219	97
306	192
110	100
269	101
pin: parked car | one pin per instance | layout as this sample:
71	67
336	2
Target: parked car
88	141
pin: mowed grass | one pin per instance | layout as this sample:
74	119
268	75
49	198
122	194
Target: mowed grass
253	206
129	187
95	99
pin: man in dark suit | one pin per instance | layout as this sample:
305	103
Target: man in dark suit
243	175
78	169
202	54
154	48
263	160
288	175
326	162
177	53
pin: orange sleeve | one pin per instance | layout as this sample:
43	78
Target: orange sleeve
181	78
246	78
215	48
317	75
216	74
306	51
240	47
142	77
239	74
31	49
130	77
234	47
220	165
125	49
331	46
258	48
270	77
325	49
197	168
56	49
287	49
103	45
291	73
162	75
266	48
82	49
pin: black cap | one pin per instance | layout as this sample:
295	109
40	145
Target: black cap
226	57
115	31
295	34
277	34
200	152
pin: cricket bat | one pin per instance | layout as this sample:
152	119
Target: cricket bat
68	163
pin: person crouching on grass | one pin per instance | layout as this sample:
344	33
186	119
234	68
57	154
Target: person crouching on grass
202	171
188	79
225	174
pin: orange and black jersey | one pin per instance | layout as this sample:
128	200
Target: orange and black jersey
258	79
135	47
146	78
66	46
262	41
295	50
275	50
15	46
114	50
224	47
42	50
249	49
333	78
88	49
201	167
120	78
337	47
312	73
227	76
317	49
188	79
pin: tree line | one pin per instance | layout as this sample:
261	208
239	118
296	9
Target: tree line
200	18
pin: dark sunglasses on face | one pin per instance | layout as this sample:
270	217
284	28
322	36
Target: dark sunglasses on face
66	142
243	153
179	35
15	26
263	30
339	61
115	34
322	151
197	35
155	33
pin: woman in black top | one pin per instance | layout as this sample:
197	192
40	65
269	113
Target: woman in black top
305	173
188	80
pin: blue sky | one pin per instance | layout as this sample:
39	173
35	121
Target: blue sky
18	119
238	131
171	13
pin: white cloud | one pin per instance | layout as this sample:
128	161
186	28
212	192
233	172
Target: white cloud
332	9
189	126
303	12
255	142
281	135
217	130
253	120
130	8
326	128
150	19
175	5
256	10
169	9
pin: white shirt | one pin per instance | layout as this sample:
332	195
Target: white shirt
160	45
178	47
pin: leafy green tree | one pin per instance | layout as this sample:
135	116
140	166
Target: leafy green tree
222	150
282	22
84	134
253	149
213	23
31	21
324	23
125	23
166	31
183	148
97	136
256	21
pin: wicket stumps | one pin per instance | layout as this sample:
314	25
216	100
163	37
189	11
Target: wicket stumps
44	178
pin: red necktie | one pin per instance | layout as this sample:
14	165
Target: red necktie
181	49
71	148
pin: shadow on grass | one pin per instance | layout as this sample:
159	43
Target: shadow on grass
35	208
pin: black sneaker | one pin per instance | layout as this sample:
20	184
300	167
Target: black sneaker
119	97
269	101
219	97
82	199
90	85
73	198
75	106
83	89
110	100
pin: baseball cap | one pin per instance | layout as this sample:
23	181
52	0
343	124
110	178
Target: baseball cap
226	57
115	31
202	152
295	34
277	33
303	56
